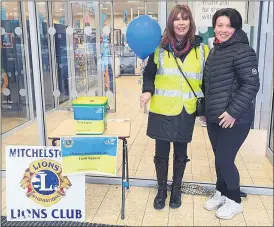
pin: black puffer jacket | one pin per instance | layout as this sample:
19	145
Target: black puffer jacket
168	128
231	79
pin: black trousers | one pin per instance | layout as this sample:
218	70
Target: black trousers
163	149
226	144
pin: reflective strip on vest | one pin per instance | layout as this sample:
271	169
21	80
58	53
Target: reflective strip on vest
161	57
176	93
176	72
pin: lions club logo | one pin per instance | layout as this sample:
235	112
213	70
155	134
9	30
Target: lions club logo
68	142
44	183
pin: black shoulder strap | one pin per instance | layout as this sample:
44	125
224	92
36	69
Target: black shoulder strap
184	76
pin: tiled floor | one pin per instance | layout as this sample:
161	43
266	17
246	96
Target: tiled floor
103	201
254	167
10	123
103	205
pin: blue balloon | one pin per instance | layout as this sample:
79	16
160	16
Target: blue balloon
143	36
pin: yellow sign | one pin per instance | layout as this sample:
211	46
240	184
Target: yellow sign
97	154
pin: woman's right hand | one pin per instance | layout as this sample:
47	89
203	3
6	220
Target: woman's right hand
145	97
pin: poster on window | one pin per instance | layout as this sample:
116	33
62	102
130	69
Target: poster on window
6	40
37	189
204	10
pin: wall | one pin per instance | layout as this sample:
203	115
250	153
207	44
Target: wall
118	22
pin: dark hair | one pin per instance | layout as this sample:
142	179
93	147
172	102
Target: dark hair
169	31
234	16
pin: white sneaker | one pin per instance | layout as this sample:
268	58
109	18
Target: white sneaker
215	201
203	124
203	121
229	209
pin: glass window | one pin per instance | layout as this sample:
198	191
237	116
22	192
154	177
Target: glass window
42	11
107	66
90	42
59	33
79	48
126	63
16	96
14	90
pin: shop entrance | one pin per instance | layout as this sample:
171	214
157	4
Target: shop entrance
82	50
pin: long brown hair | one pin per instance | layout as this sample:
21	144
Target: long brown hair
169	33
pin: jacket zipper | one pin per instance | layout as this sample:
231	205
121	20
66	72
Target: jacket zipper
209	72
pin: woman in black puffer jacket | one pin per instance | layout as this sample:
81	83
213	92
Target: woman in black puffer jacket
231	82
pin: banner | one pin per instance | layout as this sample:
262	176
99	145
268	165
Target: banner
36	188
96	154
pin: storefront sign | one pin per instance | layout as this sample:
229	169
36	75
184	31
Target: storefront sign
96	154
37	188
204	10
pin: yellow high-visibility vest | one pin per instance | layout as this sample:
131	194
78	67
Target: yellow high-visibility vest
172	92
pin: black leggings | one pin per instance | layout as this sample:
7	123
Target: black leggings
226	144
163	149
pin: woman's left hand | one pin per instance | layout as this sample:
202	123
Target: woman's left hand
227	120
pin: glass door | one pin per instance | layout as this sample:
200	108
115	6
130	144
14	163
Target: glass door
84	57
15	96
44	49
127	64
59	46
79	45
270	147
106	57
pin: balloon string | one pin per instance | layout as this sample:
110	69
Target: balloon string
143	66
140	82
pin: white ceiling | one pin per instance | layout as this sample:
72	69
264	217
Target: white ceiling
58	7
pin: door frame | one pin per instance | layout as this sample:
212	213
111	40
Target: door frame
269	152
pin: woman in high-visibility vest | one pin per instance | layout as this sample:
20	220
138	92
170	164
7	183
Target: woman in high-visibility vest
172	102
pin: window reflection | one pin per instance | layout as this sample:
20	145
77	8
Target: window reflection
59	23
42	11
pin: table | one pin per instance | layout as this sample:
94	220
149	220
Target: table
115	127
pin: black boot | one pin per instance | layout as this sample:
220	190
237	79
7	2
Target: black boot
179	166
161	166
